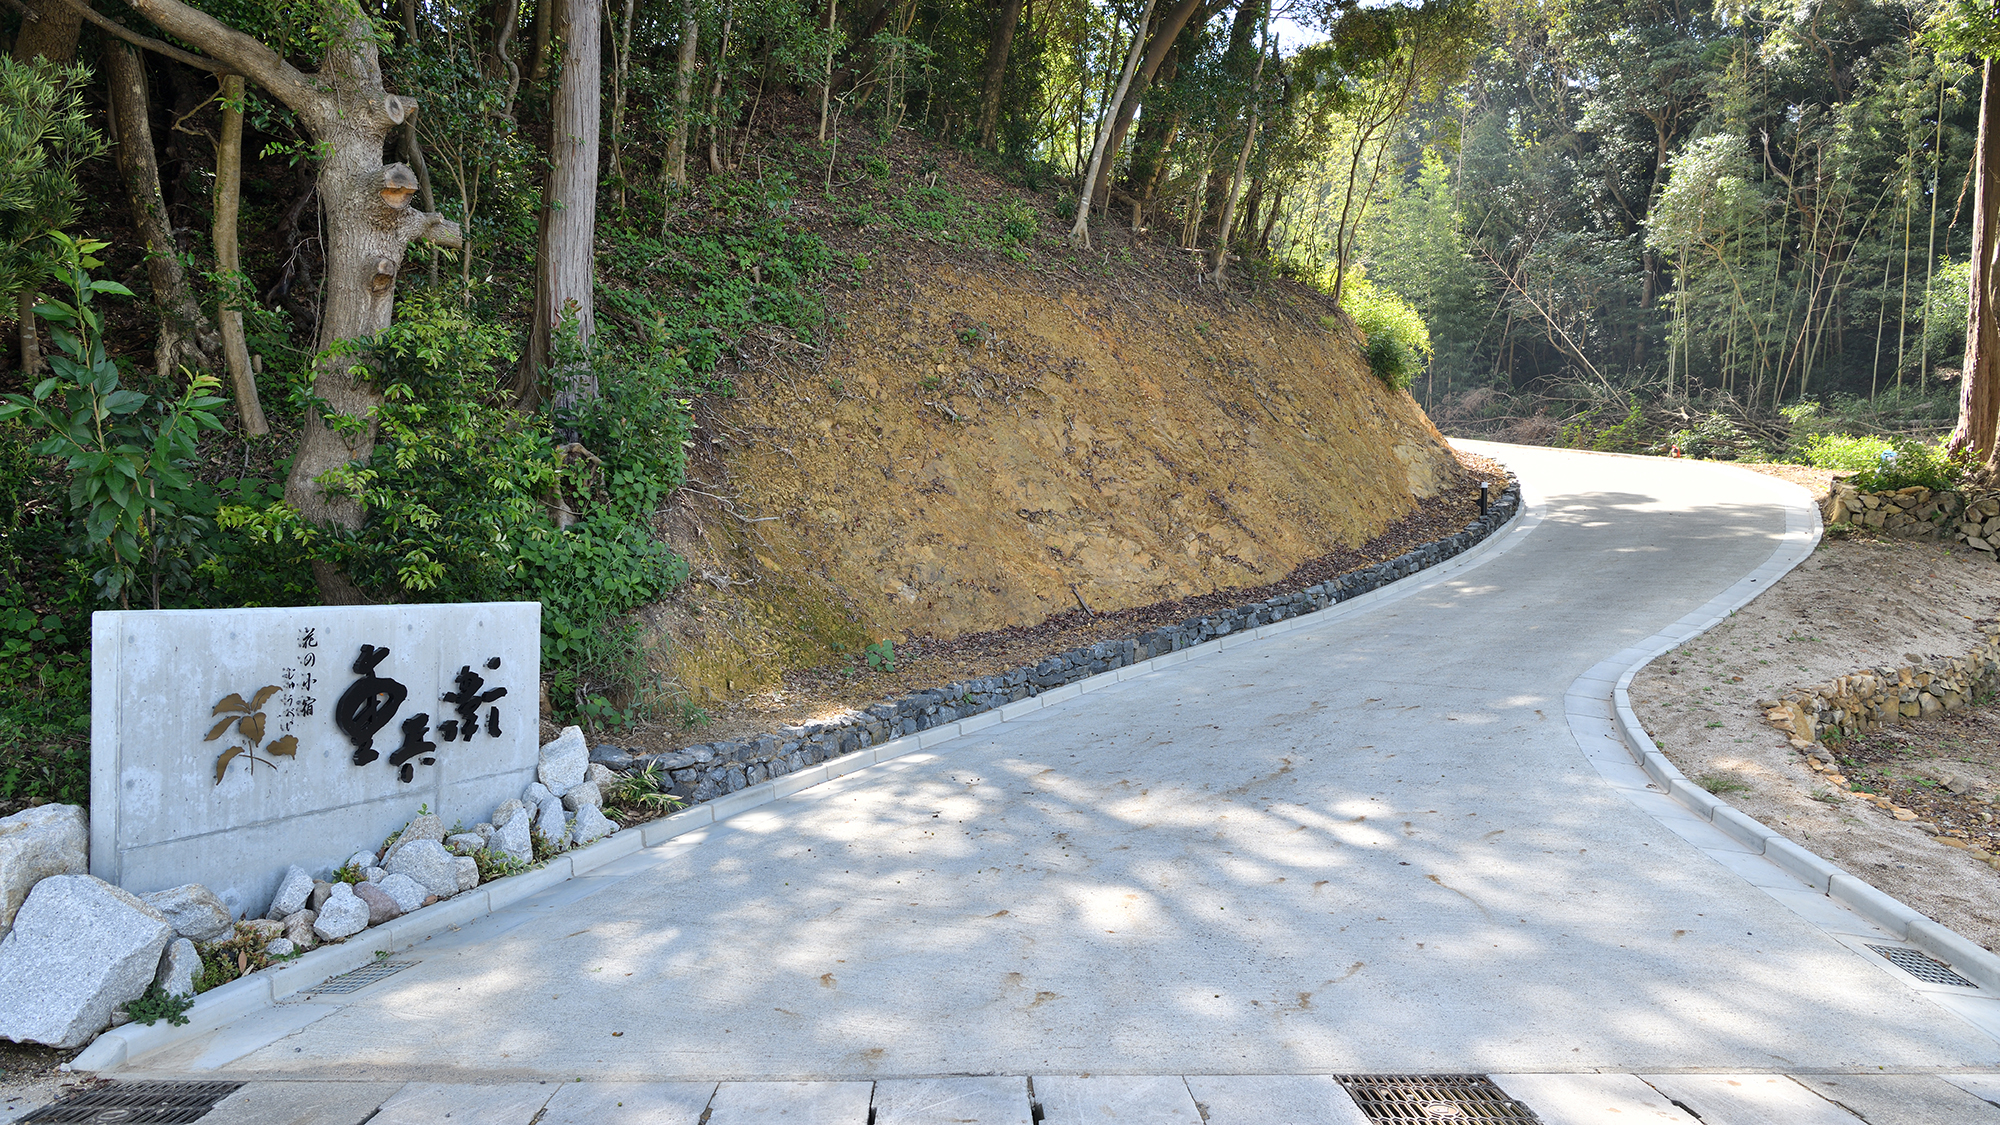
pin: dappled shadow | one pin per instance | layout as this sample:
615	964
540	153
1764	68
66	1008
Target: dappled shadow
1370	844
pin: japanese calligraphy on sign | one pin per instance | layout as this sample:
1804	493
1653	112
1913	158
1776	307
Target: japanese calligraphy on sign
372	701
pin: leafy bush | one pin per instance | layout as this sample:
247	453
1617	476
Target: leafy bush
1398	345
156	1004
1885	464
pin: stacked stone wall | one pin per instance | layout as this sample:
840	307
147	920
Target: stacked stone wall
1866	700
1971	518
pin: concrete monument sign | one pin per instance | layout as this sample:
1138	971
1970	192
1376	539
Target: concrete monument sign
228	744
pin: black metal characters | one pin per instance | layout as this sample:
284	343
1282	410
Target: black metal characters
369	703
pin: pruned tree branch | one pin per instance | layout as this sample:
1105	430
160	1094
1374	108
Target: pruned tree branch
230	50
113	27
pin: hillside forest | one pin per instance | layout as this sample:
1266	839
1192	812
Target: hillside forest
362	300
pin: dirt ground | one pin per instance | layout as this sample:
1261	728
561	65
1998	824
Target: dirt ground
1859	601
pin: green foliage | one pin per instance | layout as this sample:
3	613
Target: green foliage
1398	344
45	137
155	1005
881	656
498	865
1947	301
126	451
1885	464
645	792
226	960
348	873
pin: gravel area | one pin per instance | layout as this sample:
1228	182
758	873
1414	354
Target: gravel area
1857	602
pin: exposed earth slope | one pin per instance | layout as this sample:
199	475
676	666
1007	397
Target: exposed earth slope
984	445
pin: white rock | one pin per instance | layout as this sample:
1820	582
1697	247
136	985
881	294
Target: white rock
420	829
280	947
343	915
484	832
535	794
464	843
361	861
602	774
408	893
514	839
193	911
592	824
35	844
552	823
179	966
428	863
507	810
293	891
564	761
468	873
586	794
79	949
374	874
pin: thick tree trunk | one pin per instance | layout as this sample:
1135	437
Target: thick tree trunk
1979	395
228	197
994	80
683	91
565	254
186	336
50	35
369	223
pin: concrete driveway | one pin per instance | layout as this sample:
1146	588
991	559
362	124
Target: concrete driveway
1371	844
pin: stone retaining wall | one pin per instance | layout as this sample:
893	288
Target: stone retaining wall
1863	701
1971	518
705	772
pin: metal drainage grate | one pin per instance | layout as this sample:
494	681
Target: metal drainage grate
135	1103
1926	969
354	980
1432	1098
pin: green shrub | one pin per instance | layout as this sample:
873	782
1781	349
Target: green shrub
1885	464
1398	345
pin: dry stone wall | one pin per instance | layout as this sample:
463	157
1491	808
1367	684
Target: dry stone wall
1865	700
1971	518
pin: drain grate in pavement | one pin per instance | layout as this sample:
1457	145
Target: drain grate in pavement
1926	969
355	980
135	1103
1432	1098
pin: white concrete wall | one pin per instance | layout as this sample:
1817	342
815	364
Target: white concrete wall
160	818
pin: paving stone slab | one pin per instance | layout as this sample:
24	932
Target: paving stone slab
301	1103
1114	1099
1591	1099
952	1101
790	1103
628	1103
1749	1099
1274	1099
1904	1099
1985	1087
442	1103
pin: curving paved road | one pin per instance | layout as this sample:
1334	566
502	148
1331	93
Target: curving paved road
1371	844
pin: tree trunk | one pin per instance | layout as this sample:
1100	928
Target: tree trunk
1222	229
369	223
715	147
1162	41
1979	394
50	35
186	336
1079	232
683	86
996	71
565	254
228	196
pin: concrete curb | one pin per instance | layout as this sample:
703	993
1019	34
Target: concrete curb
1802	536
220	1006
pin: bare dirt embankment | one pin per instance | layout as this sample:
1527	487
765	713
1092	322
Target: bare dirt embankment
1859	601
984	447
